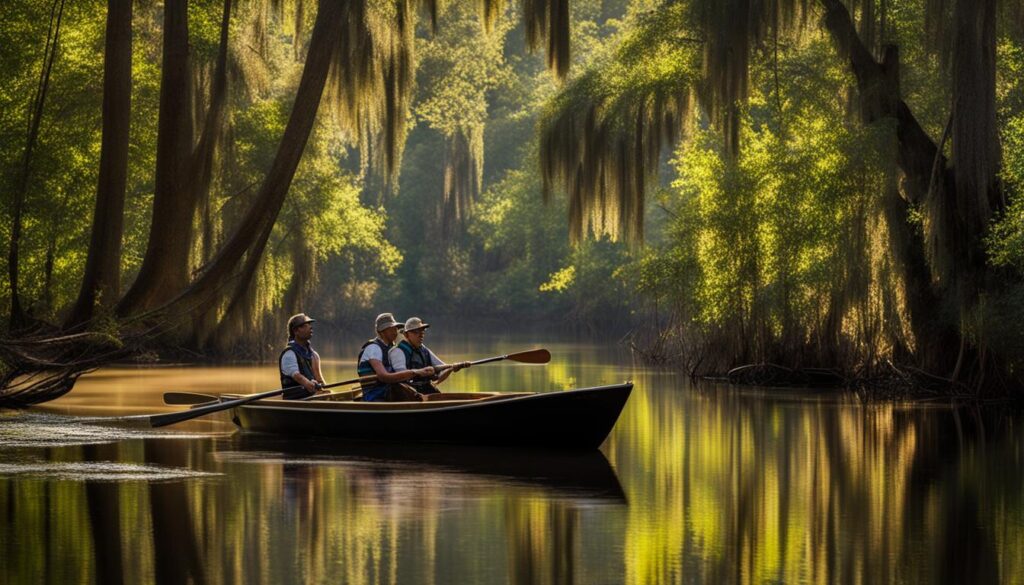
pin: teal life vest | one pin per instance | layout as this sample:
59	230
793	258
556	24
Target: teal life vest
373	390
416	359
304	357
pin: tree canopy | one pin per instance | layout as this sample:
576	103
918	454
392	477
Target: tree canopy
811	183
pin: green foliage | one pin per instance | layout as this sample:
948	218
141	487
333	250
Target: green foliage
522	244
1006	238
459	66
780	247
777	249
62	175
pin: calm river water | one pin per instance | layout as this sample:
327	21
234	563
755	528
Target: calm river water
696	484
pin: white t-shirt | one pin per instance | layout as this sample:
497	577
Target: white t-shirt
398	359
372	352
290	364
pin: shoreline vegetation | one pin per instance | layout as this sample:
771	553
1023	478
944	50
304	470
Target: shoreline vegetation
785	187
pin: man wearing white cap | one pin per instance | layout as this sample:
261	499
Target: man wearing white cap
411	354
374	361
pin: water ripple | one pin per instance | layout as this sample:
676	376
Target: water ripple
36	430
98	471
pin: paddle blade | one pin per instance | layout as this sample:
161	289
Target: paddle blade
534	356
177	398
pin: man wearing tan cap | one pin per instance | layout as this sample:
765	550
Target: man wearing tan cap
411	354
374	361
298	363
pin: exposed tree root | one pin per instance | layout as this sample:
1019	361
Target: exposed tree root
41	367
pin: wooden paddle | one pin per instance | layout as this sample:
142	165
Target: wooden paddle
159	420
533	356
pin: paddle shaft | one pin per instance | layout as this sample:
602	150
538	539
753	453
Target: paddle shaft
533	356
159	420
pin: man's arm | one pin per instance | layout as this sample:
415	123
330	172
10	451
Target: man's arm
391	377
316	368
436	361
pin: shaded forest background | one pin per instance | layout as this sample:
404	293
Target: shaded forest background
813	184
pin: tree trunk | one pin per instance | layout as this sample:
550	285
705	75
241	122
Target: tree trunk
101	283
976	151
18	317
918	158
165	267
249	238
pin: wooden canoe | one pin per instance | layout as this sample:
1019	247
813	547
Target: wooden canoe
573	419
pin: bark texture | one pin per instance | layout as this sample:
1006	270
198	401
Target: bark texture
101	283
165	266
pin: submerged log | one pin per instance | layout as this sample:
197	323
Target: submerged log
776	375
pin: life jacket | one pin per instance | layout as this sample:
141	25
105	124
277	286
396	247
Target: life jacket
414	360
305	368
373	389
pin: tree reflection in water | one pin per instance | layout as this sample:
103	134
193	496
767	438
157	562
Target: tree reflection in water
694	485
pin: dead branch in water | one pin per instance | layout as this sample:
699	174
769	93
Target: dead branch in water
40	367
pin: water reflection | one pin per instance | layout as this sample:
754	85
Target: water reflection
749	487
704	484
571	475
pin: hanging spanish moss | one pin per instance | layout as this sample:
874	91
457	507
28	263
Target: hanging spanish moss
299	25
546	23
963	199
603	138
732	29
463	176
248	70
372	76
490	11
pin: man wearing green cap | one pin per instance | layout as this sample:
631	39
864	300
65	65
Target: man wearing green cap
298	363
374	361
411	354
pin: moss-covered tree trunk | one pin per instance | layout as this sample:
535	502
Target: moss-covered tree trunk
165	266
101	282
250	236
943	267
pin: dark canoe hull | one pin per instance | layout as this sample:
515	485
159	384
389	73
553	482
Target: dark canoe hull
574	419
